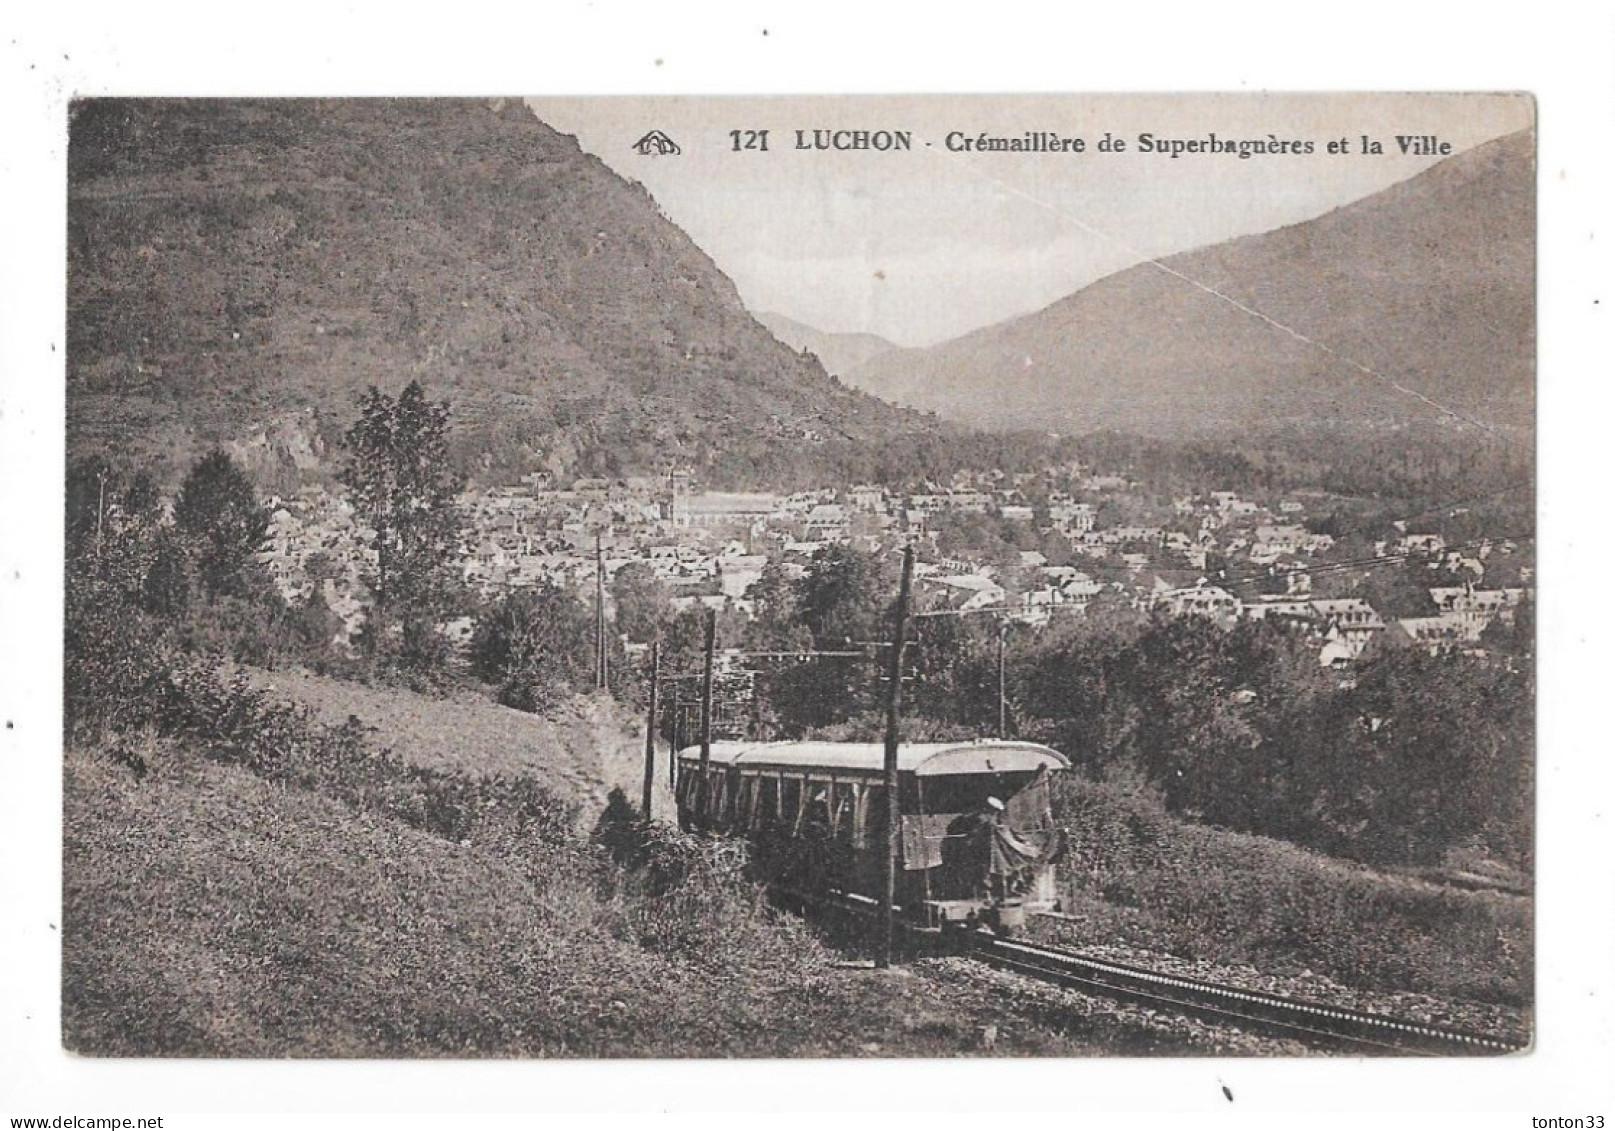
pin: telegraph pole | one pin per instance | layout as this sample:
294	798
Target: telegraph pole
650	727
1003	631
600	679
678	740
100	509
706	698
894	707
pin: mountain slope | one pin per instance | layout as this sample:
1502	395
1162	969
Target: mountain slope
1429	283
839	353
239	270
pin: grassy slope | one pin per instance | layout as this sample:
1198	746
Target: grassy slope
211	913
580	751
1136	875
1140	877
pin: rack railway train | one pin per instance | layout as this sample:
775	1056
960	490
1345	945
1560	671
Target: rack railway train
977	836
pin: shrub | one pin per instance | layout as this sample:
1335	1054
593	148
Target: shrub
1138	875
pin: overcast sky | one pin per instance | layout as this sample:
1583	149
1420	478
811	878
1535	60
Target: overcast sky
925	245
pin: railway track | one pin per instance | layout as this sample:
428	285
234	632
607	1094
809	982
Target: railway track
1311	1022
1316	1024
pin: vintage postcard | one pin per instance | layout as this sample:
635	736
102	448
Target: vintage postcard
923	576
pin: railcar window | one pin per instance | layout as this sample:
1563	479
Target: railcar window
720	795
804	794
965	793
789	798
817	816
870	821
688	789
726	795
843	798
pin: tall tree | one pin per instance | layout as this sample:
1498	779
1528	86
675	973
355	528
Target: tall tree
642	601
404	489
218	508
844	603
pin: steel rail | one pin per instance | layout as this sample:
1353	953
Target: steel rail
1348	1027
1314	1022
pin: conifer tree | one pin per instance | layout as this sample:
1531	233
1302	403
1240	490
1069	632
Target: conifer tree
218	508
404	489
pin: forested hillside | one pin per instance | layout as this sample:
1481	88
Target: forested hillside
240	270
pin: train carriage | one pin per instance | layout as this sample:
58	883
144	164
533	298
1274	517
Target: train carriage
977	836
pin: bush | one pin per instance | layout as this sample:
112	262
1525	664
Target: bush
1140	876
534	646
238	724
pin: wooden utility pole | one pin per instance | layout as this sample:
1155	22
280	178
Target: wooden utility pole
650	727
678	740
600	678
100	509
706	699
894	708
1003	703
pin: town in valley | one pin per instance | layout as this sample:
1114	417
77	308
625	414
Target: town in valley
1026	548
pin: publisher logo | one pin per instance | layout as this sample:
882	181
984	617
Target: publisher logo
657	144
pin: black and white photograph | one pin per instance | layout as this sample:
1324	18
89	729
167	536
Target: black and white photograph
826	577
766	562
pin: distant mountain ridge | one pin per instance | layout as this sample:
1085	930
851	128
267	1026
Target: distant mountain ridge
239	270
839	353
1430	283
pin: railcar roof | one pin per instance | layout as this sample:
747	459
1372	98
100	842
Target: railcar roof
924	759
